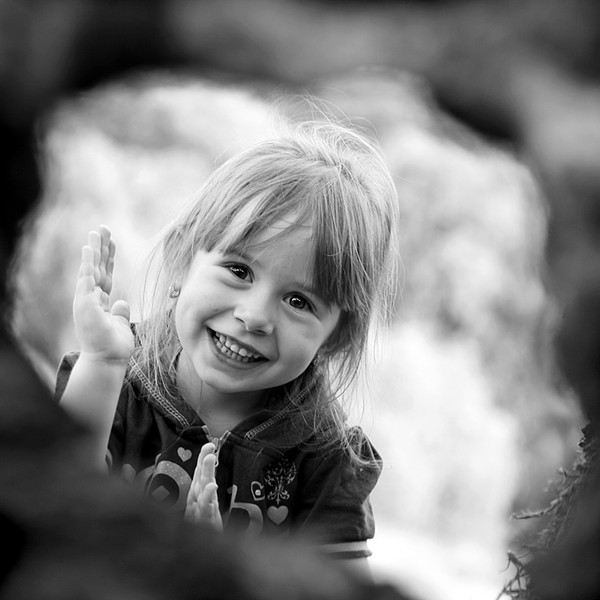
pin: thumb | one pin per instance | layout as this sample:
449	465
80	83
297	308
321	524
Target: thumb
121	309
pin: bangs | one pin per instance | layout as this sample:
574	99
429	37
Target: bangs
246	224
346	257
334	270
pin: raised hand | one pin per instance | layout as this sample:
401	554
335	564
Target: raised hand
202	501
103	331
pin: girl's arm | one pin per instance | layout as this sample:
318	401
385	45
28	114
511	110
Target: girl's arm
106	343
335	500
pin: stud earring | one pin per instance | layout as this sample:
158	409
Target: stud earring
174	291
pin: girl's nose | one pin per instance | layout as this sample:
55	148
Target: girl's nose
255	314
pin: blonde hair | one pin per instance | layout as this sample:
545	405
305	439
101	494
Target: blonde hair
323	174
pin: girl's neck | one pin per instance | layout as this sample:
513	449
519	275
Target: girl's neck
220	411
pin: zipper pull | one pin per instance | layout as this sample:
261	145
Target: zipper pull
218	443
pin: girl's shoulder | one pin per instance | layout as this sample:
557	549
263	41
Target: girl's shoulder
354	445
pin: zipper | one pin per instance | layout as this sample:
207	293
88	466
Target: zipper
217	441
156	395
266	424
281	414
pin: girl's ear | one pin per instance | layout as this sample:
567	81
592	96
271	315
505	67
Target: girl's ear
330	347
175	287
338	338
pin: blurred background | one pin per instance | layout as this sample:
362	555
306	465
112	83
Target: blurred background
488	114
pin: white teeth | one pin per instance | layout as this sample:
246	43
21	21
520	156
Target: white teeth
233	349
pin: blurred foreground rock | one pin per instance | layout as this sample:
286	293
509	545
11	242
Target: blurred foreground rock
526	72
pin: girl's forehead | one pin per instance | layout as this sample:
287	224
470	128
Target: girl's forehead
284	238
283	228
263	233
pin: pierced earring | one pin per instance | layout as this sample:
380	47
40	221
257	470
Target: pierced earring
174	291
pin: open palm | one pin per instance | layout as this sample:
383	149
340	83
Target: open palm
202	502
103	331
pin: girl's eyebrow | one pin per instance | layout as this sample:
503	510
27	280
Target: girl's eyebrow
238	253
308	289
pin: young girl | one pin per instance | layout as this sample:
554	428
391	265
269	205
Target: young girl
223	401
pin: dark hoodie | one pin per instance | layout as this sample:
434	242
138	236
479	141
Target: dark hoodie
274	475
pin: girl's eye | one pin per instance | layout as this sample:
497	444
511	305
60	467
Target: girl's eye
240	271
298	302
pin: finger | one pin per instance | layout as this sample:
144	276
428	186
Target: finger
205	508
85	283
110	265
207	474
95	243
107	253
192	510
208	502
196	486
104	232
205	500
209	507
208	448
121	309
209	495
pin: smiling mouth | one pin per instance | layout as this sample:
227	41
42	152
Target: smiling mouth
233	349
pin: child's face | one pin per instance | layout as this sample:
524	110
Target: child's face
250	323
